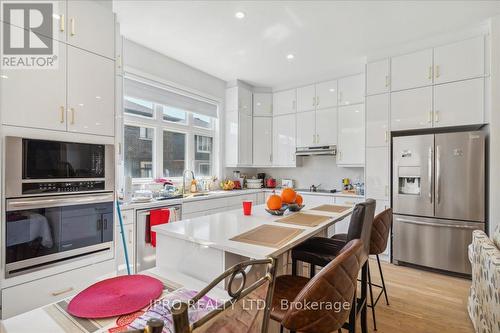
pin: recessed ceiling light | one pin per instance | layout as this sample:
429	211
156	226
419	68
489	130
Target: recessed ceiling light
4	76
290	56
332	89
239	15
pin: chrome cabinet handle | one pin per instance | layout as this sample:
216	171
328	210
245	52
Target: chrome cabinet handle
317	101
437	71
459	226
119	61
130	236
317	138
429	117
387	81
64	291
72	23
438	173
72	116
429	173
62	23
314	101
436	116
386	136
429	76
62	114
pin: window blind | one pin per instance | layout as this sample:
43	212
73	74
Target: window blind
159	95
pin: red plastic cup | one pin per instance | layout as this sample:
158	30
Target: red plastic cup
247	208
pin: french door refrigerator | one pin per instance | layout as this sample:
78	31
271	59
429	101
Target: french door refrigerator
438	193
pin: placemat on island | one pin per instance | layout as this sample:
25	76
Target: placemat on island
303	219
331	208
268	235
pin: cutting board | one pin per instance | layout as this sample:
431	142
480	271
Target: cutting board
268	235
331	208
303	219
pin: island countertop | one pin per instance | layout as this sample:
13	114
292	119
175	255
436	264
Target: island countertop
215	231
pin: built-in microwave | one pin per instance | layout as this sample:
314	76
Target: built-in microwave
41	167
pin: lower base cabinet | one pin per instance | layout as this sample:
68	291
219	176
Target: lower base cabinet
28	296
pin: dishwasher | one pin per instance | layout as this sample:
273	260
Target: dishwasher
145	251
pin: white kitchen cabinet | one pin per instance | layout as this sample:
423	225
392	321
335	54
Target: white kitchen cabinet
459	61
244	101
262	141
306	98
459	103
326	126
411	109
120	262
326	94
90	26
377	173
377	77
284	102
377	120
351	136
118	50
91	95
35	98
231	137
351	89
284	145
245	139
412	70
262	104
306	131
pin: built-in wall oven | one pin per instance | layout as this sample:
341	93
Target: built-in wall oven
59	202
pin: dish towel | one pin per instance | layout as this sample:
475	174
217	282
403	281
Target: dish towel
157	217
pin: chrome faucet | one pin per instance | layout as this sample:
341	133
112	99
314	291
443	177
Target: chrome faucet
184	179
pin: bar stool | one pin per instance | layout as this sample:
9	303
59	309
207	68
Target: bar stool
336	283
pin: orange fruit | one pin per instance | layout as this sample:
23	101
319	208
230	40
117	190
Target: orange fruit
288	195
274	202
299	200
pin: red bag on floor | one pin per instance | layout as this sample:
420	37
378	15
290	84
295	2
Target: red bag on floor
157	217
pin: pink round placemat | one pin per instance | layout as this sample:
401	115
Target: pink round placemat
116	296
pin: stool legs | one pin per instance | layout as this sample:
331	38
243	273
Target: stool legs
371	299
294	267
382	278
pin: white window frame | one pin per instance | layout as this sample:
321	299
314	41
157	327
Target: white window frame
159	125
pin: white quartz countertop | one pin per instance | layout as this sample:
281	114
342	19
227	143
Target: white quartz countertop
216	230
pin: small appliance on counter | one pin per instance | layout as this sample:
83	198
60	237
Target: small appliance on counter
262	176
270	183
287	183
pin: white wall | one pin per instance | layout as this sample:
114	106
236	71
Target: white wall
313	170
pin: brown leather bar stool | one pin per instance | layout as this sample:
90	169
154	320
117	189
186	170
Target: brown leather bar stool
334	285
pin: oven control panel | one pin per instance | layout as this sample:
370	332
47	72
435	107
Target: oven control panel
62	187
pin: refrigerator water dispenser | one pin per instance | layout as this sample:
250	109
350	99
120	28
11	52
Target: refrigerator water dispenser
409	180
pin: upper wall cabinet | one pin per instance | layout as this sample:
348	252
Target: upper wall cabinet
411	70
262	104
284	102
262	141
411	109
377	77
90	25
377	120
351	89
238	124
284	145
351	136
459	61
326	94
306	98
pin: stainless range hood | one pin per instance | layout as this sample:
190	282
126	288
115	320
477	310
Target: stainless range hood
316	150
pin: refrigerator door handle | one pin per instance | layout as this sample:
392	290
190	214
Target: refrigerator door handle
438	173
429	173
458	226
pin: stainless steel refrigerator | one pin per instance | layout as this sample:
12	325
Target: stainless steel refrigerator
438	193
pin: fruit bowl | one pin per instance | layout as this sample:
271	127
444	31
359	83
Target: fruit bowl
295	207
277	212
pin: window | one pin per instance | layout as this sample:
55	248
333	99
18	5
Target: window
177	128
174	154
138	151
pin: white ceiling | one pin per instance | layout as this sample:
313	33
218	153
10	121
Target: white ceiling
324	36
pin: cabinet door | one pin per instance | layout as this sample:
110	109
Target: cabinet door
284	140
46	104
352	89
459	61
306	98
284	102
306	131
377	77
245	101
411	109
262	141
91	26
245	139
118	50
91	94
231	137
377	173
121	265
351	138
411	70
326	94
326	126
459	103
377	120
262	104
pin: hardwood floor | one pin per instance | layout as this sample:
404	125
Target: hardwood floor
420	302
